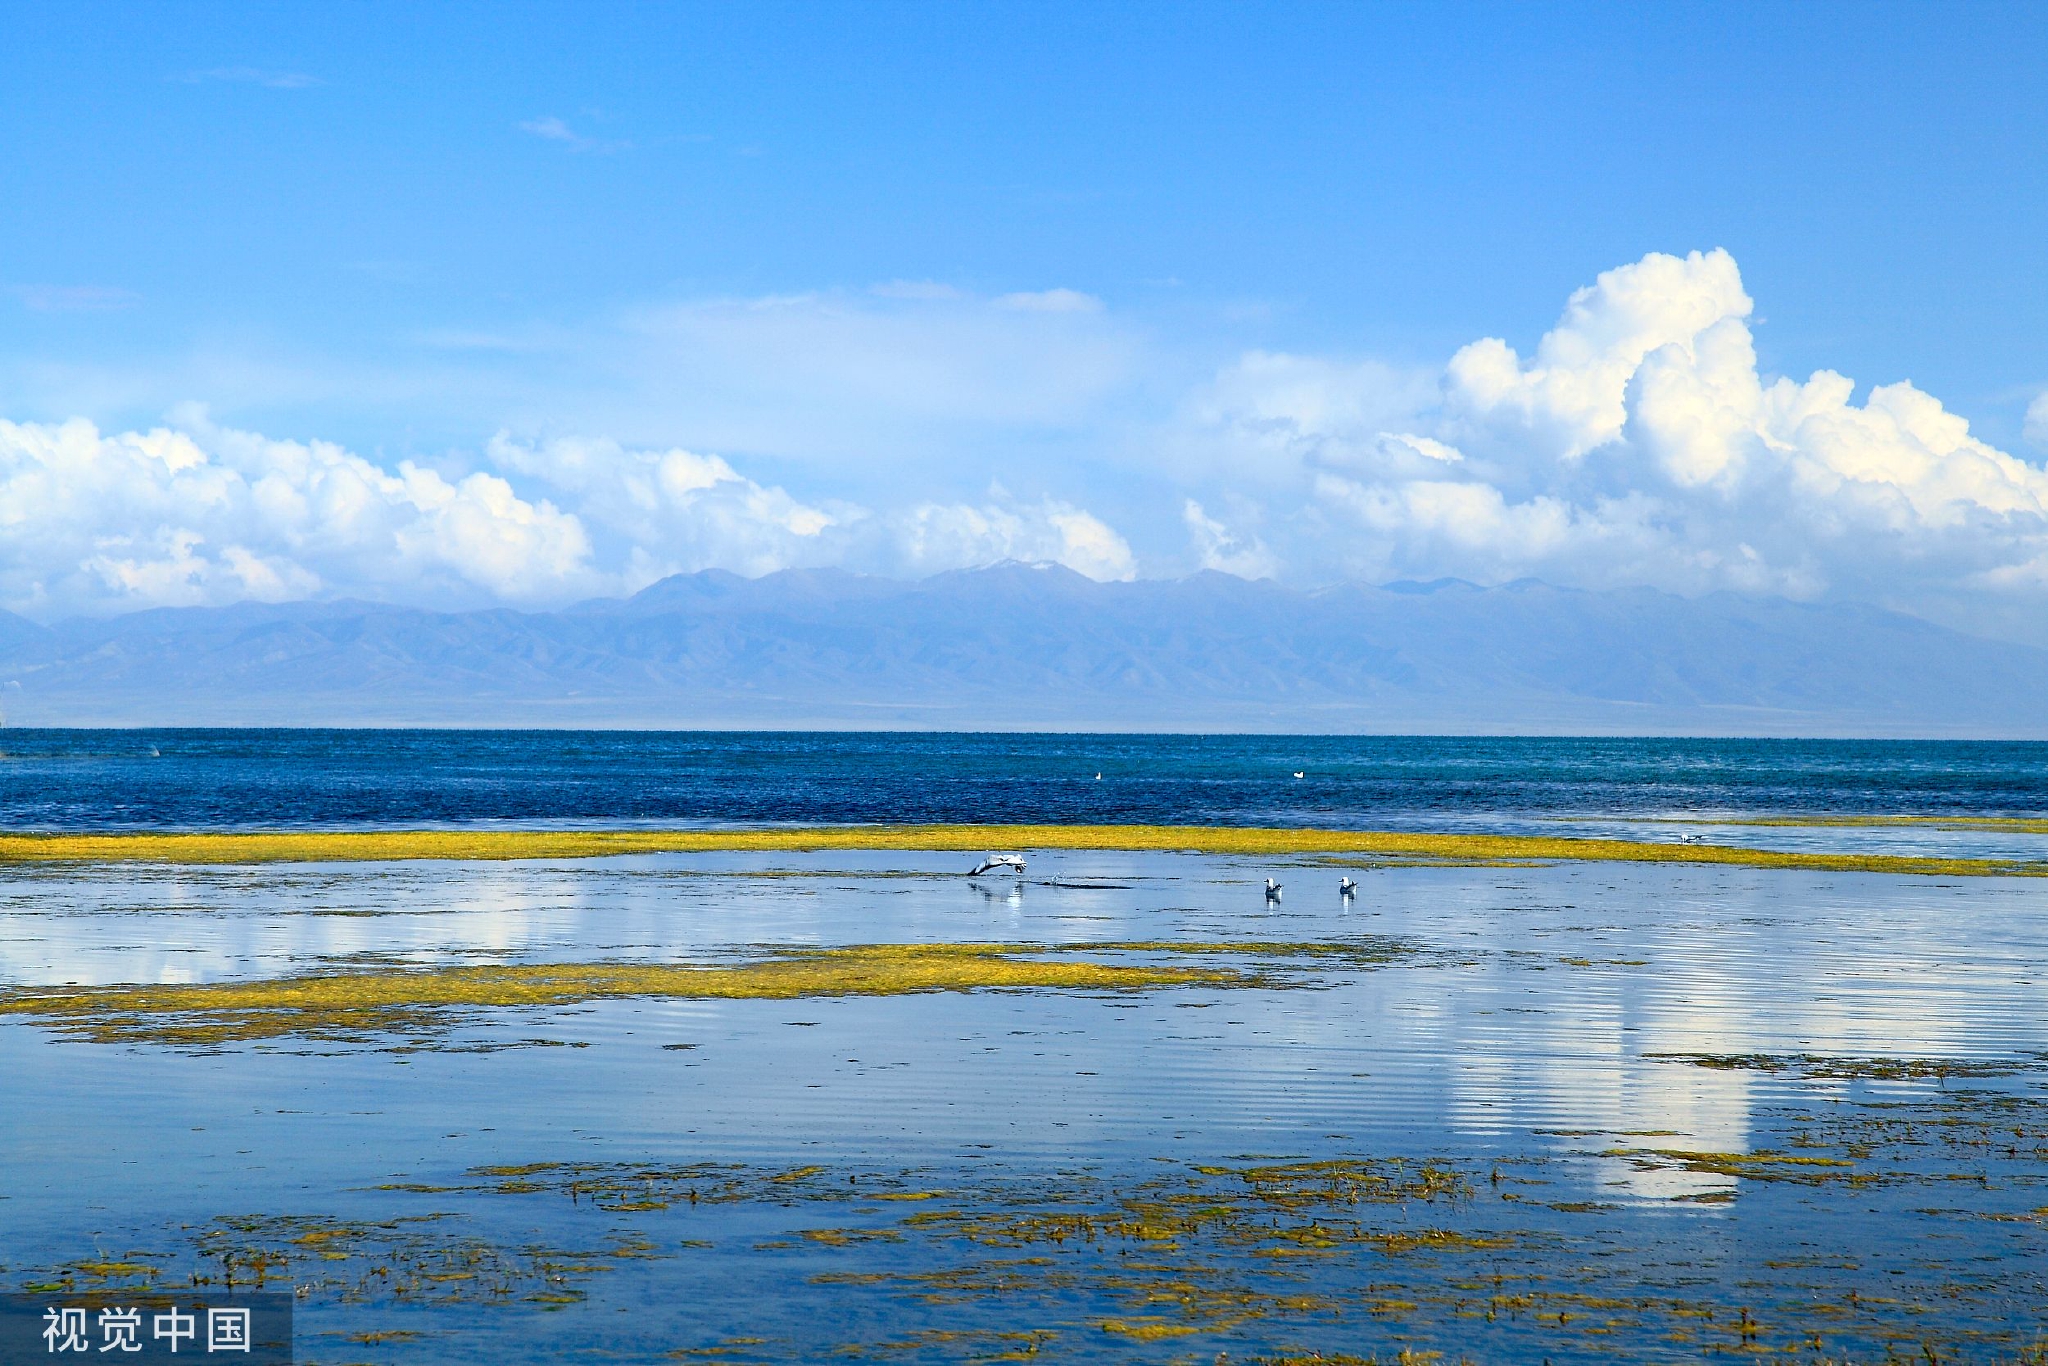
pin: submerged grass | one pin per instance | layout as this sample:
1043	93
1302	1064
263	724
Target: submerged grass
385	845
1281	1260
1823	1067
2020	825
354	1006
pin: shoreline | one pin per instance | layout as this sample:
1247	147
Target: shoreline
379	846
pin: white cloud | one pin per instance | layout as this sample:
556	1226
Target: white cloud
1638	443
656	513
552	129
2037	420
1641	444
76	298
939	536
914	289
831	377
198	514
249	75
859	389
1219	548
90	521
1051	301
1396	445
1569	398
1269	414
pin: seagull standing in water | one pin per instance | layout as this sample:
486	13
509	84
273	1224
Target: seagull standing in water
1272	890
1345	887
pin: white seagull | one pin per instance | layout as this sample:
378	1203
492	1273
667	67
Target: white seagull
1345	886
995	861
1272	890
1300	773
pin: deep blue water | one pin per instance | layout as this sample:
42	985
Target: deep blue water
52	779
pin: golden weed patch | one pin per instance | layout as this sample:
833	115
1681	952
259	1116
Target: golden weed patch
386	845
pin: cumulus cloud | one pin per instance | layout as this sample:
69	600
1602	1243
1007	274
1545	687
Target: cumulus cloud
1570	396
673	511
166	517
1218	547
1641	444
198	514
937	536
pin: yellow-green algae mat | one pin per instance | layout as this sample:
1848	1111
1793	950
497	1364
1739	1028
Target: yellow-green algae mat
355	1004
386	845
2015	825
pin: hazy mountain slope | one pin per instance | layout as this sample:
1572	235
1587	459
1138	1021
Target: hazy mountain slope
1028	646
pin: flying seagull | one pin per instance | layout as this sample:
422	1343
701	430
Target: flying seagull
1272	890
995	861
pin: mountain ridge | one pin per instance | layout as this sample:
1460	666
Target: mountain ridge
1036	647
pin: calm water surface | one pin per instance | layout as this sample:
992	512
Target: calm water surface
1543	1167
69	779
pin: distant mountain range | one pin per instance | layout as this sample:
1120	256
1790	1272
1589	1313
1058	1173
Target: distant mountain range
1037	647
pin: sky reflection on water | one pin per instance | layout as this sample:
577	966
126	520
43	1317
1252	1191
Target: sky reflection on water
1529	1016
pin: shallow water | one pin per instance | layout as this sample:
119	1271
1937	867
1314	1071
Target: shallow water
1513	1054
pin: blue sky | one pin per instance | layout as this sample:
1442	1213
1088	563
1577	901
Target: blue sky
1139	288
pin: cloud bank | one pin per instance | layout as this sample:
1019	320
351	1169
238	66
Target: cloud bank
1638	443
206	515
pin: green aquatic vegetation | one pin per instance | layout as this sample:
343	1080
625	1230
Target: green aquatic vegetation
1164	1232
1407	1356
1201	1287
2020	825
428	1260
1153	1329
1761	1165
725	1347
983	1344
1940	1138
1948	1135
655	1185
361	1006
385	845
113	1269
1428	861
1421	1250
1296	1186
849	1237
389	1004
1821	1066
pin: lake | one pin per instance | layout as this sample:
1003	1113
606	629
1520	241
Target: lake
1571	1111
